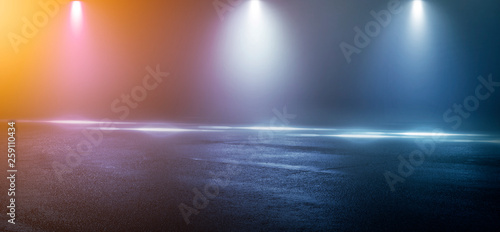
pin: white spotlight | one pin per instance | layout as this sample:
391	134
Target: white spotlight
255	9
418	12
417	26
76	15
253	47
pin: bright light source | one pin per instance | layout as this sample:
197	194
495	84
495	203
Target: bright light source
417	31
76	15
418	9
418	13
253	50
362	136
255	9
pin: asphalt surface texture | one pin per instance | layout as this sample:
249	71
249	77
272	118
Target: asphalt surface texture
226	180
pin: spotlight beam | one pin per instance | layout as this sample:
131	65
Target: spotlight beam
76	16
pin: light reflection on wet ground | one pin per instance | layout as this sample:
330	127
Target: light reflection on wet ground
303	178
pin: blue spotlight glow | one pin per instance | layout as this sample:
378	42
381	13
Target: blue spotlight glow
418	10
418	36
417	17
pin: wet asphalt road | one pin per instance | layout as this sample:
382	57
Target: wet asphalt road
137	181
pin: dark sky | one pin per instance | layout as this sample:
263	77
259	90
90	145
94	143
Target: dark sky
411	73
